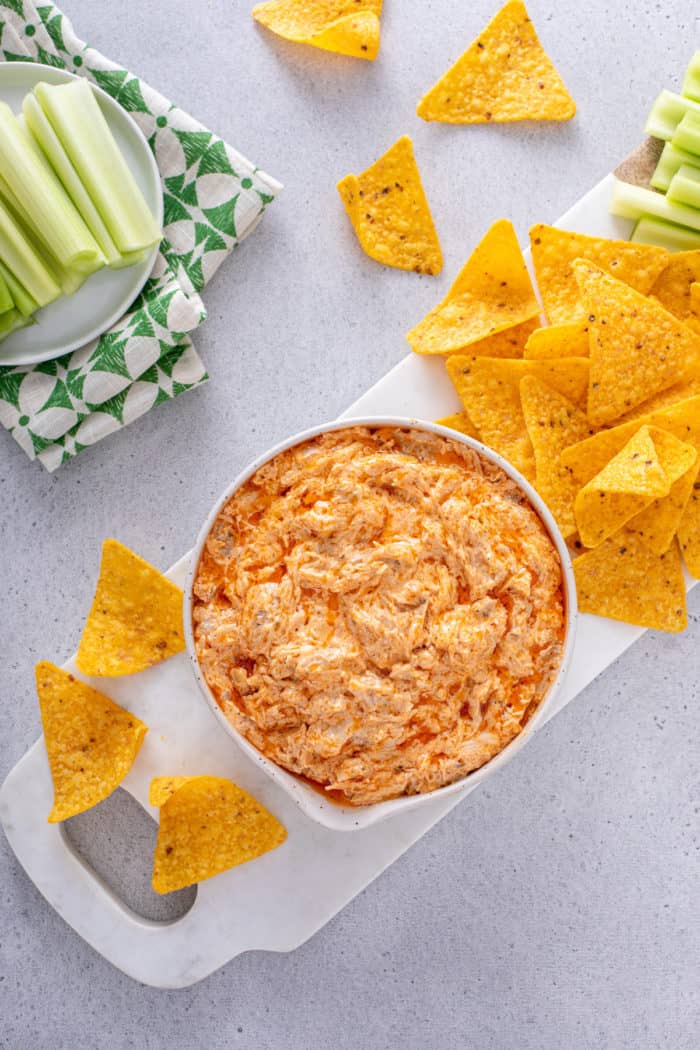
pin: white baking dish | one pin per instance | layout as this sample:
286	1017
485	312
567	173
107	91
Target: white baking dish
311	801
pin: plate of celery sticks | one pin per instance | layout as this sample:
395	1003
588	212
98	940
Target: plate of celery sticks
81	209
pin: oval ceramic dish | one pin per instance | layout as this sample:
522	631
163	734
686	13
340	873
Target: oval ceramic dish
72	321
310	800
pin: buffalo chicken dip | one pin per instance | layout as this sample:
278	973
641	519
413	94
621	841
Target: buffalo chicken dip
379	611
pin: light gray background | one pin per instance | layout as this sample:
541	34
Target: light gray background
559	907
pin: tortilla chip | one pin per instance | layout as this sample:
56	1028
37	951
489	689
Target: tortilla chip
689	532
135	620
389	212
666	399
207	825
460	421
623	580
348	27
163	787
489	388
492	291
672	287
504	75
553	422
554	251
637	348
508	343
558	340
631	481
588	457
695	298
658	524
91	742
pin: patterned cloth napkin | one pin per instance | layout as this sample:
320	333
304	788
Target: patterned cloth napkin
213	197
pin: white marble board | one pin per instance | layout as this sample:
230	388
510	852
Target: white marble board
283	898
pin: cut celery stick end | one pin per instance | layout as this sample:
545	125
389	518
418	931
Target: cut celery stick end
670	161
687	134
666	114
28	174
631	202
68	280
131	259
685	186
49	143
79	123
11	321
665	235
24	262
691	80
6	300
20	296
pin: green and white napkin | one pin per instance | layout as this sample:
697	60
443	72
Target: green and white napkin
213	197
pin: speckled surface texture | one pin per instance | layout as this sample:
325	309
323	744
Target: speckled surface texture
557	907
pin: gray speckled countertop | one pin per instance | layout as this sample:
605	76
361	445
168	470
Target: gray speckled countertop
557	908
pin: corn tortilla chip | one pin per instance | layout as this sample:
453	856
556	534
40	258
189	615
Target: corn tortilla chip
493	291
504	75
163	787
553	422
632	480
348	27
658	524
390	214
672	286
623	580
588	457
207	825
689	532
637	349
91	742
460	421
666	399
489	388
558	340
510	342
135	620
553	254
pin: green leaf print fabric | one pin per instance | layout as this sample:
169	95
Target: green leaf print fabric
213	197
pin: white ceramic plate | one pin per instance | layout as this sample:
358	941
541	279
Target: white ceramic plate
74	320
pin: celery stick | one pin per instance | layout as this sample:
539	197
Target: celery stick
665	234
669	163
24	262
685	186
667	113
40	193
687	134
68	280
84	133
20	296
6	300
691	81
47	140
11	321
631	202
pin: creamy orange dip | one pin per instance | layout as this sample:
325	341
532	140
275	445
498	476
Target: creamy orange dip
379	611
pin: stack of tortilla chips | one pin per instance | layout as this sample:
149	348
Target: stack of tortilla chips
599	409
